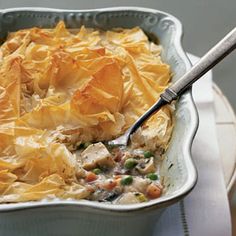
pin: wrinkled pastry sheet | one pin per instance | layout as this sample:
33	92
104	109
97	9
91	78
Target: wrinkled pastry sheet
59	89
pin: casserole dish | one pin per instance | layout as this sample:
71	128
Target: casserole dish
70	217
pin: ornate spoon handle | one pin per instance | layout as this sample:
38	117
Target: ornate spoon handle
209	60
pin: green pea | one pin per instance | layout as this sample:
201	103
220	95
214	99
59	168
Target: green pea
152	176
97	171
126	180
148	154
111	146
86	144
130	163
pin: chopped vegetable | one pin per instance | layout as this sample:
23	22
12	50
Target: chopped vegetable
108	184
140	197
148	154
91	177
97	171
152	176
154	191
111	146
130	163
126	180
85	145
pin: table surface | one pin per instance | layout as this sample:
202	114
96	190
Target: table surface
226	135
210	190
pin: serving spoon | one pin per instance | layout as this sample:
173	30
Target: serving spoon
209	60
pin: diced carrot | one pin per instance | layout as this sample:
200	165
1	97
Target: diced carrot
91	177
117	176
108	184
117	179
153	191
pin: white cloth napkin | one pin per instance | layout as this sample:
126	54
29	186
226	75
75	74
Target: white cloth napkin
205	211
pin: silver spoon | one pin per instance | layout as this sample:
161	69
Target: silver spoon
209	60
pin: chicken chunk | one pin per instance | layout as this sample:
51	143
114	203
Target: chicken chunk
130	198
96	155
148	166
138	185
127	198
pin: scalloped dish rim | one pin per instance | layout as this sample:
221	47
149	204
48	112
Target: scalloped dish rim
163	201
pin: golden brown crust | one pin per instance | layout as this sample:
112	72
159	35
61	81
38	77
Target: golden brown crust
59	89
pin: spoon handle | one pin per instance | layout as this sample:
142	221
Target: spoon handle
209	60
